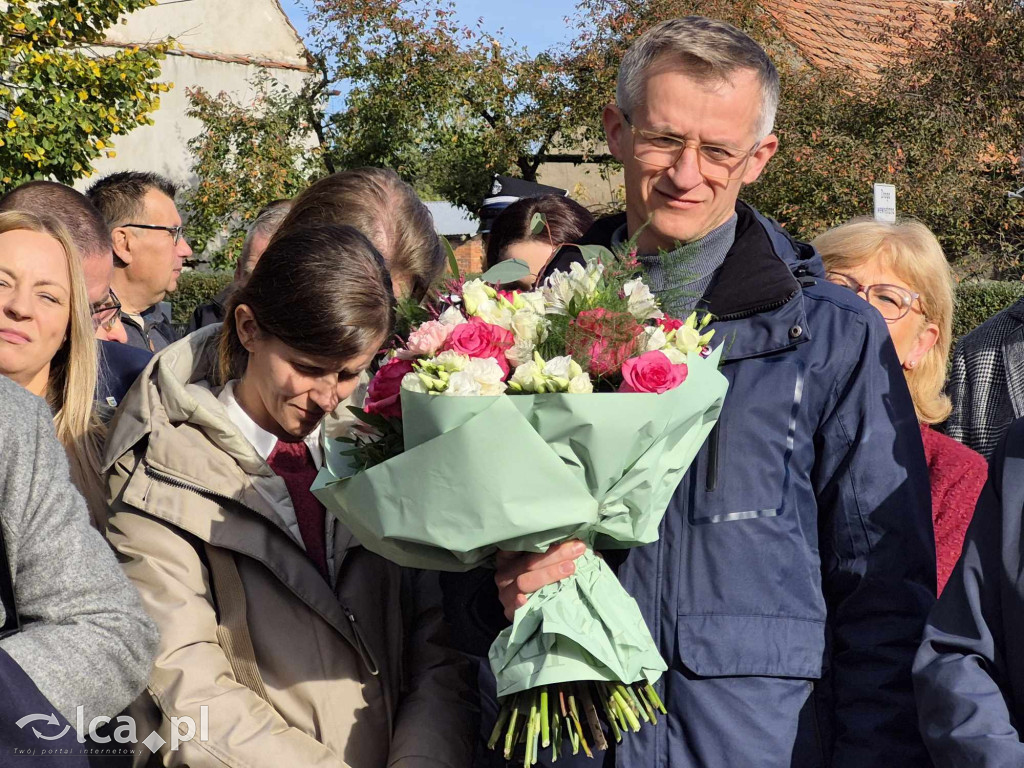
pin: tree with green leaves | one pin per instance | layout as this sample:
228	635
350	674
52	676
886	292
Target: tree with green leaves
61	99
248	154
445	104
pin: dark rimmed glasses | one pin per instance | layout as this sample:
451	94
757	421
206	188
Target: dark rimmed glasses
105	314
176	232
715	161
892	301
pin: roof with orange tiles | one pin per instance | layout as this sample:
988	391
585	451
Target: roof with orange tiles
859	35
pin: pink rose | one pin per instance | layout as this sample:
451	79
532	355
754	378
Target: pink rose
383	396
426	341
601	341
478	338
670	324
651	372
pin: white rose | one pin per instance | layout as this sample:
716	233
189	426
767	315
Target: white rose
559	367
525	376
449	360
687	339
411	382
452	317
463	384
654	338
528	326
475	293
490	311
580	385
641	302
487	374
520	352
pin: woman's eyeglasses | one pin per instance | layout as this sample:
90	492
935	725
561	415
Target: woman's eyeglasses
105	314
892	301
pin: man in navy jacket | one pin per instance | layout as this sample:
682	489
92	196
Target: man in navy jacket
796	563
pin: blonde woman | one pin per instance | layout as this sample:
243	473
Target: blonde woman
901	270
46	339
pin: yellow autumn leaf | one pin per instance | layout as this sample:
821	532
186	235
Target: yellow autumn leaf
83	95
100	144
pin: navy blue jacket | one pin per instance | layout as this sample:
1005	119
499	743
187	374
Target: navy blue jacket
119	367
969	673
796	564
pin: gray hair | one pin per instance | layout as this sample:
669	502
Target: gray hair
266	224
708	50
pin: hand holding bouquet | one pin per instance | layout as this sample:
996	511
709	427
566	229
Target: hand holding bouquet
514	421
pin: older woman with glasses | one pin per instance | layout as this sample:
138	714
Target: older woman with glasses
900	269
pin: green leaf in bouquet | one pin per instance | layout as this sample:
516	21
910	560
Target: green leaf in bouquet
506	272
597	253
374	420
453	262
538	223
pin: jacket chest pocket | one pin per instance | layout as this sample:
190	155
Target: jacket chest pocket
744	469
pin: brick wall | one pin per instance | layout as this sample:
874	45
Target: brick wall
470	255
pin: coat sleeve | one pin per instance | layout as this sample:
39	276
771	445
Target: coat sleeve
86	640
960	672
191	669
436	723
877	550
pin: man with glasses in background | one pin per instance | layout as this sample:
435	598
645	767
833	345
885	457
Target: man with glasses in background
119	364
149	250
796	564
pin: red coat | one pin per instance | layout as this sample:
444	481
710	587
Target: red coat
957	475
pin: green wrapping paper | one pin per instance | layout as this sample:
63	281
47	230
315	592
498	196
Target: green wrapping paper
521	473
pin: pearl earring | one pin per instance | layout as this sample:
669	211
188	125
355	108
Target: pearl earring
911	364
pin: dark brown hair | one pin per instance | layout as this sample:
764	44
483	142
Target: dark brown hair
385	209
70	207
119	196
567	221
323	291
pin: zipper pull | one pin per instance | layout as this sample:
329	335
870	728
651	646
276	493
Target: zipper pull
364	652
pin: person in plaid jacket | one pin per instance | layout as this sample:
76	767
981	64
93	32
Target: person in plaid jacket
986	381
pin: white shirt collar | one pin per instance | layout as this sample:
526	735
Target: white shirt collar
263	441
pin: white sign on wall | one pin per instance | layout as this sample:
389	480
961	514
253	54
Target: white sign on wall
885	203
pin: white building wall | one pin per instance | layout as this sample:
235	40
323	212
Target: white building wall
256	31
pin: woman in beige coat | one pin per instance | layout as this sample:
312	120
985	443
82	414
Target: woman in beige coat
293	644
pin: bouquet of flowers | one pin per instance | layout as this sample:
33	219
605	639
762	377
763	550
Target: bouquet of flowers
517	420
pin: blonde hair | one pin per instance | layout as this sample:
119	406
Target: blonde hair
71	386
909	249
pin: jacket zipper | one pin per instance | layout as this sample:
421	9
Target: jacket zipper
360	644
757	310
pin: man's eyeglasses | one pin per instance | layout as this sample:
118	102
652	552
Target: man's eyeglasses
662	151
892	301
176	232
105	314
